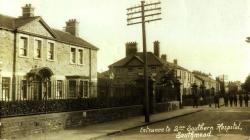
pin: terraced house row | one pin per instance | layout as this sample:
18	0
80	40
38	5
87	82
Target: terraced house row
38	62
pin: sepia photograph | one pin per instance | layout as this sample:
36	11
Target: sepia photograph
124	70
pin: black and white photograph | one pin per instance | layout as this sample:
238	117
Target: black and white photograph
124	69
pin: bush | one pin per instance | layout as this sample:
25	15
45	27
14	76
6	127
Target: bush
17	108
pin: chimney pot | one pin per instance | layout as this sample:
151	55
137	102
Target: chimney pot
164	57
72	27
175	61
28	11
157	48
131	48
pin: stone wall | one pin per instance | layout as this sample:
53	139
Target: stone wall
169	106
15	127
60	66
6	59
6	52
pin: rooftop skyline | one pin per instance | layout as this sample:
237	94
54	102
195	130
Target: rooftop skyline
207	35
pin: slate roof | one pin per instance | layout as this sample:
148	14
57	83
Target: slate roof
22	21
12	23
203	77
67	37
7	22
172	65
152	60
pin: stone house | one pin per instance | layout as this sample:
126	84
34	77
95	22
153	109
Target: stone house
38	62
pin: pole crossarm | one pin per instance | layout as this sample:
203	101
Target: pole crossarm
153	20
150	4
145	5
133	23
137	12
139	17
132	8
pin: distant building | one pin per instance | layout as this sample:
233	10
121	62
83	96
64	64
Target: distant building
128	69
39	62
205	80
185	77
233	86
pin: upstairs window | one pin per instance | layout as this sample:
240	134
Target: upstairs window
50	51
23	49
153	68
38	49
73	55
80	56
130	69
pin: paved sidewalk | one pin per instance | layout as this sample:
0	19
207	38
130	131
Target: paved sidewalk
111	127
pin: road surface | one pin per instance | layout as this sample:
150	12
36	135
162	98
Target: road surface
210	124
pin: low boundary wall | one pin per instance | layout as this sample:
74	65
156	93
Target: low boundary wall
16	127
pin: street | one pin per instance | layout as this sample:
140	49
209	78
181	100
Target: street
212	123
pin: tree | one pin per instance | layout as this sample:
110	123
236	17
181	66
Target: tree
232	87
246	85
167	77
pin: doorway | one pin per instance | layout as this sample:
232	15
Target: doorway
40	83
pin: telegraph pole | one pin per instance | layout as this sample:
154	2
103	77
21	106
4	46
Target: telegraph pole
140	15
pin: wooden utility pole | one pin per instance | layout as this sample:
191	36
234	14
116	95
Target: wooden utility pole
140	15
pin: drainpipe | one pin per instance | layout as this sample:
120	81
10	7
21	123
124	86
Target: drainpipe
14	67
90	73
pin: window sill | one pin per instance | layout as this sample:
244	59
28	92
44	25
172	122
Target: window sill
23	56
80	64
51	60
35	58
71	63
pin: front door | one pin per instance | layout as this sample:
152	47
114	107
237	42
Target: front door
37	90
46	88
41	89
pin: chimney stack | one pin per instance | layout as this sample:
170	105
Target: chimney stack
131	48
28	11
72	27
175	62
164	57
157	48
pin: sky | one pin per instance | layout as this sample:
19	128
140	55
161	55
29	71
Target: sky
204	35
